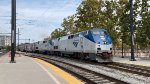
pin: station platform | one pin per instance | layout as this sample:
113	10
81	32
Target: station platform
139	61
29	70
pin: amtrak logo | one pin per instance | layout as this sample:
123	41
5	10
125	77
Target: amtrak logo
75	44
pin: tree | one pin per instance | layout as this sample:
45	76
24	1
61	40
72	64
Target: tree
110	20
143	32
58	33
123	20
137	21
69	24
87	15
112	15
98	13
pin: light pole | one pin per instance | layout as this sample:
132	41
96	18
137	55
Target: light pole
18	39
13	31
131	31
122	44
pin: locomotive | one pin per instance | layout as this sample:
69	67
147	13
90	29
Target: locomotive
93	44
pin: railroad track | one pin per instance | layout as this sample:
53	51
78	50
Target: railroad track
101	73
88	76
130	68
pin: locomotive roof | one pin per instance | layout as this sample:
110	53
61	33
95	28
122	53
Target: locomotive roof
66	37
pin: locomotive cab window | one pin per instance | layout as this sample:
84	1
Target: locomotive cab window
101	33
106	33
50	42
71	36
77	35
68	37
96	32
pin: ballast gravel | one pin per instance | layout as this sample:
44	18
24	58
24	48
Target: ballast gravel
118	74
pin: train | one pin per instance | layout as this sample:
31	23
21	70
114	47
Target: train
93	44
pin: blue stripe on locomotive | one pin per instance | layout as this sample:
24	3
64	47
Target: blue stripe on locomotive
97	38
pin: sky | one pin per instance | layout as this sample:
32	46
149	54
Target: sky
36	19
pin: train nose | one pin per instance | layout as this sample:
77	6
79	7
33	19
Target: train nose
103	42
104	48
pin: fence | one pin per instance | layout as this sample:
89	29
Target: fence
139	53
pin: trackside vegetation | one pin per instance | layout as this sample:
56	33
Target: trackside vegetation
113	15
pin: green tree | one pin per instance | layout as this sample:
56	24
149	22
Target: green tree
98	13
58	33
69	24
123	20
113	15
110	20
87	15
143	31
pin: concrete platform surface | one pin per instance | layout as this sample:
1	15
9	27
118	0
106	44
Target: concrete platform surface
28	70
139	61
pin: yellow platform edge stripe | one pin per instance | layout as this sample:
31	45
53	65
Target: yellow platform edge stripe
68	77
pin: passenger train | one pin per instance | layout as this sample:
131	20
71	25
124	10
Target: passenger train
94	44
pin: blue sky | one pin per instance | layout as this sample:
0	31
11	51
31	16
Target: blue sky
36	18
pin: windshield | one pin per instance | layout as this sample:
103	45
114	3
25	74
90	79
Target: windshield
101	33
